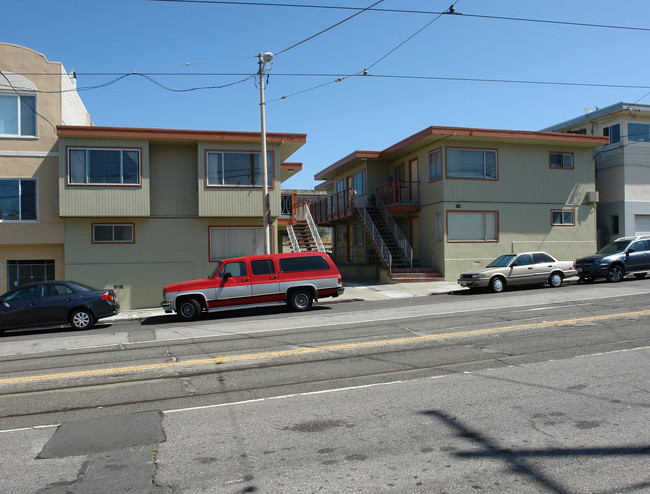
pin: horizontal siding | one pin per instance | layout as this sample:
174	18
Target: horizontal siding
173	180
100	200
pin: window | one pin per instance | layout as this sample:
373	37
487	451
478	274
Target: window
113	233
614	224
435	165
18	199
340	186
23	272
237	268
306	263
613	132
56	290
561	160
562	218
541	257
235	242
358	234
524	260
237	169
262	266
472	163
359	182
17	115
472	226
638	132
104	166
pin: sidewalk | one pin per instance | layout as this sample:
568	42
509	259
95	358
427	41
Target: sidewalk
354	292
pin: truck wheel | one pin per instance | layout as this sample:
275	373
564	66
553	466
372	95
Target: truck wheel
189	310
300	300
615	274
555	280
497	284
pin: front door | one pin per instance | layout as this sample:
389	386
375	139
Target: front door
522	270
233	285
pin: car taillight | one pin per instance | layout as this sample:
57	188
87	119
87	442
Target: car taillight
340	280
108	296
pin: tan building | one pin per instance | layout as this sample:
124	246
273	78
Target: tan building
450	199
147	207
622	166
36	95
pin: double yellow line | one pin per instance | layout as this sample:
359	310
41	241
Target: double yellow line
314	350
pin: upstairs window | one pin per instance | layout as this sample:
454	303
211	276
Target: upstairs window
359	182
237	169
17	115
613	132
561	160
638	132
435	165
104	166
472	163
18	199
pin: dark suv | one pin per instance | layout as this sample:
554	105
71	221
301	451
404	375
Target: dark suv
626	255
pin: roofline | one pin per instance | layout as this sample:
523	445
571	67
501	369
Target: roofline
291	165
601	112
175	134
445	132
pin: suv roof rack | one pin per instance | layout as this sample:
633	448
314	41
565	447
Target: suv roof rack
633	237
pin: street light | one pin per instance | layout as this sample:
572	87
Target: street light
264	58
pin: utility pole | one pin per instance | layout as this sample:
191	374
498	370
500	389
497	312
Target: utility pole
265	58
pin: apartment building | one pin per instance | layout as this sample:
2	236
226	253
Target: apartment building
36	96
449	199
622	166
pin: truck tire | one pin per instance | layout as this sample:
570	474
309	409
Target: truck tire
189	310
300	300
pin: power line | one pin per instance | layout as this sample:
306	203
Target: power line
406	11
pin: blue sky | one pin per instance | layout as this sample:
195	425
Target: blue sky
358	113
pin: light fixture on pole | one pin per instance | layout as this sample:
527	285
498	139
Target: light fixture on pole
264	58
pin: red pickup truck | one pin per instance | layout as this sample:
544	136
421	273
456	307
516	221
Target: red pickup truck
295	279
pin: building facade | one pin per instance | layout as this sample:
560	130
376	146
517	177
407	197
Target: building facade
452	199
622	166
36	96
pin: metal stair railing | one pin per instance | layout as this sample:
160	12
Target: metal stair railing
295	246
313	228
395	230
374	233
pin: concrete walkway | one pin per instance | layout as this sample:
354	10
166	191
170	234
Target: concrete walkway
354	291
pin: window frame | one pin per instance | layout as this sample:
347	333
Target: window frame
259	231
18	96
563	211
485	150
270	167
607	132
87	149
364	179
451	212
94	241
563	154
429	154
646	134
20	199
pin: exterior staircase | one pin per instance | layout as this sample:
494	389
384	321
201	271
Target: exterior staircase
399	260
304	238
303	234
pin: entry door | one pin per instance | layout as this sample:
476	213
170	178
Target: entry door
233	285
265	286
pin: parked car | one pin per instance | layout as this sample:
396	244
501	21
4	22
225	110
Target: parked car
295	279
623	256
519	269
56	302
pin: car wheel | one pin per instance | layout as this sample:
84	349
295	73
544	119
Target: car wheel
189	310
497	284
555	280
639	276
300	300
615	274
81	319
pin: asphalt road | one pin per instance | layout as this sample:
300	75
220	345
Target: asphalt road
533	390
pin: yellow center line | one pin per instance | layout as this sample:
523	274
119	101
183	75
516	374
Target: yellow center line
312	350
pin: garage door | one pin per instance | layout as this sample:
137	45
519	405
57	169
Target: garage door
642	224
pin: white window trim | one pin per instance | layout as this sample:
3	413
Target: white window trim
19	95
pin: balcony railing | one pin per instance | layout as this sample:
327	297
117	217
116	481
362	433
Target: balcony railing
399	193
333	207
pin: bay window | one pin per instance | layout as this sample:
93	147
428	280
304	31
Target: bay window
234	169
103	166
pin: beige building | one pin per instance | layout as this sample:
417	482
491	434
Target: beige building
447	200
36	96
622	166
147	207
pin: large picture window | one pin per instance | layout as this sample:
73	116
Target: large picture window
472	163
472	226
18	201
104	166
235	242
121	233
638	132
17	115
237	169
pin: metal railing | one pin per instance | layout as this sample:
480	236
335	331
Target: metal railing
295	246
378	241
399	193
312	227
333	206
400	238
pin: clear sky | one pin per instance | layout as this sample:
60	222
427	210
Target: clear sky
408	87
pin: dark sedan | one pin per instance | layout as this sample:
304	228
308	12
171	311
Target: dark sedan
56	302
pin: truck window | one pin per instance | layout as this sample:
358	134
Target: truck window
233	269
307	263
262	266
